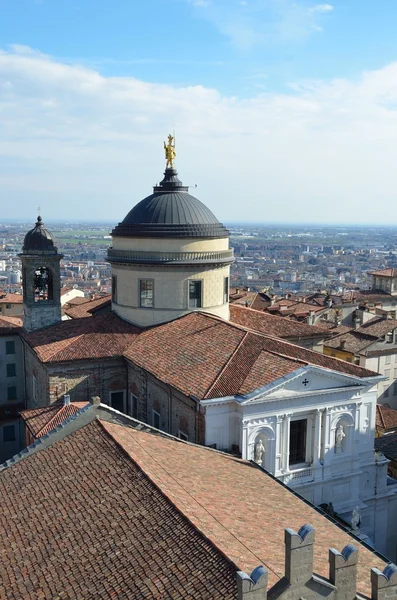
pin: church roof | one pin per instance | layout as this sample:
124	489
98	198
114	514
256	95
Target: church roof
206	357
104	336
170	212
88	308
39	239
167	528
273	324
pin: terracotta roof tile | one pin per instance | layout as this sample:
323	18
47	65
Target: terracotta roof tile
12	298
104	336
87	309
386	418
211	488
272	324
82	520
10	325
40	421
205	357
378	326
385	272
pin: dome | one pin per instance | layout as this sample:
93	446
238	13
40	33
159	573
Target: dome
39	240
170	212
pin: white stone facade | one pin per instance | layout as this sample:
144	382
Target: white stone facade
344	471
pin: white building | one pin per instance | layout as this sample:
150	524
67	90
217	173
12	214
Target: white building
314	430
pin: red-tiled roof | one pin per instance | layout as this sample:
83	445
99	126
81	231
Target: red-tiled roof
9	325
82	520
378	326
206	357
87	309
386	418
78	300
103	336
385	272
212	488
40	421
272	324
11	298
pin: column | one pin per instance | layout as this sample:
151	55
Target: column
317	437
286	432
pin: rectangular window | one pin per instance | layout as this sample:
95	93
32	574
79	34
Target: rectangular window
146	293
9	433
114	288
395	388
117	401
10	347
195	289
156	419
388	359
11	392
11	369
386	391
389	337
183	436
297	442
387	373
133	412
226	290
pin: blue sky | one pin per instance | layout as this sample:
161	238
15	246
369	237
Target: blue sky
300	96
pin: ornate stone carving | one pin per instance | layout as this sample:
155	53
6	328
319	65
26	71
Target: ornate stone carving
259	452
339	437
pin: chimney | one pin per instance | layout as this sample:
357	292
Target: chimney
343	571
254	587
311	317
299	555
342	344
95	400
66	400
357	322
384	585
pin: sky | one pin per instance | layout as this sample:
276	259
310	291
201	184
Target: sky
284	111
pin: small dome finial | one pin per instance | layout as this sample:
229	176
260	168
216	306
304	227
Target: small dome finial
170	153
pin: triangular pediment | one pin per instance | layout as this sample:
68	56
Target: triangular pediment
307	381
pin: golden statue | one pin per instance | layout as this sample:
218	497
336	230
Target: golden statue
170	153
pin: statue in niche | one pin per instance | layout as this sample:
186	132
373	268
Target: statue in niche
339	437
356	519
259	452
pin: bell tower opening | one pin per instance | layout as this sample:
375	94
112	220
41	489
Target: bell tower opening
43	285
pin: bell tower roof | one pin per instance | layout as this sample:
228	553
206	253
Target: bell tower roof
39	240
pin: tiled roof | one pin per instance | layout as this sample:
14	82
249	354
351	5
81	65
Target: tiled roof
236	505
385	272
378	326
9	325
387	444
12	298
206	357
386	418
272	324
88	308
104	336
78	300
40	421
354	341
84	521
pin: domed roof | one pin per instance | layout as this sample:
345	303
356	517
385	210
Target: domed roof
39	240
170	212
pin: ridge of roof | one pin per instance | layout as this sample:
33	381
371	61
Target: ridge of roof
231	357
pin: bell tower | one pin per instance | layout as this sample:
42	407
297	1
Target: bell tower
40	279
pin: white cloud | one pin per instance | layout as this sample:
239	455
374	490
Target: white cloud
81	144
321	8
262	22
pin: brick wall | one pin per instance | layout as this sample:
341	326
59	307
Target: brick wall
177	412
